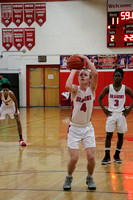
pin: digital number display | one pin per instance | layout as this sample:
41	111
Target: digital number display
120	29
126	15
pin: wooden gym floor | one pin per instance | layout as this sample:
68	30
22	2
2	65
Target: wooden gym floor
38	170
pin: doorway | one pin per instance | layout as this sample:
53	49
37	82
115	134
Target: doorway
43	86
52	86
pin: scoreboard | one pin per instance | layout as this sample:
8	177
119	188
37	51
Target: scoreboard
120	24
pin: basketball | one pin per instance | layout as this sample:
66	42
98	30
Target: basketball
75	62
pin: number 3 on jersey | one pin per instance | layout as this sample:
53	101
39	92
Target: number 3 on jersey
116	102
83	107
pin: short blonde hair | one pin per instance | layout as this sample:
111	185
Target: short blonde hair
87	71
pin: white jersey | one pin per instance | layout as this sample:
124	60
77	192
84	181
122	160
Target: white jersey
82	107
6	102
116	99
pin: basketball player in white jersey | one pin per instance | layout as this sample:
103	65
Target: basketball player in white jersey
81	129
9	107
116	114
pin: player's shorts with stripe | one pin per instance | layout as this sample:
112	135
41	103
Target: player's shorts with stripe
116	121
80	133
7	111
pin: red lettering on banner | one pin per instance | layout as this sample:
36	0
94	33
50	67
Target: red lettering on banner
18	34
7	38
29	38
6	14
29	14
40	13
17	14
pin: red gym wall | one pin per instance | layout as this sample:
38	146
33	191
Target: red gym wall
104	78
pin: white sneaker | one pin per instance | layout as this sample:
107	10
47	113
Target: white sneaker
67	183
22	143
90	182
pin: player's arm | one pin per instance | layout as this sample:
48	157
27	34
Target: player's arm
94	73
130	93
11	94
69	83
101	96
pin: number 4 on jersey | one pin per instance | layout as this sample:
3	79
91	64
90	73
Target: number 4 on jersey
83	107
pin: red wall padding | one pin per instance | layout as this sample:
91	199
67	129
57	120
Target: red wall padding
104	78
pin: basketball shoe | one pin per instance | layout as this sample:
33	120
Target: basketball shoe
67	183
117	159
90	182
105	161
22	143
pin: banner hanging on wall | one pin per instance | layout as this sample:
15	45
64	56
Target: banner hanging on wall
122	61
130	61
29	38
93	59
63	62
17	14
40	13
6	14
29	14
99	61
18	35
7	38
107	61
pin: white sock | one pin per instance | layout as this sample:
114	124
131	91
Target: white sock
89	175
69	175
